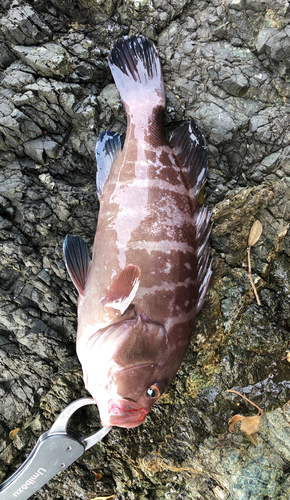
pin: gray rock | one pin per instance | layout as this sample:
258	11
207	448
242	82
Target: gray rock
6	56
235	4
226	65
280	46
274	43
17	80
110	105
219	124
236	84
49	59
39	149
23	26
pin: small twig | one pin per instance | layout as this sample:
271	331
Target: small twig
250	277
249	401
103	498
287	357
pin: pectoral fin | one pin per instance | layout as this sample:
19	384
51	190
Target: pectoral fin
77	261
123	288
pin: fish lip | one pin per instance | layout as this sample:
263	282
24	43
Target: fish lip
124	406
124	412
126	421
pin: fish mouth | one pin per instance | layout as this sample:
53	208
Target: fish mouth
124	413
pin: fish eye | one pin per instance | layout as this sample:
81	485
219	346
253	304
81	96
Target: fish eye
153	392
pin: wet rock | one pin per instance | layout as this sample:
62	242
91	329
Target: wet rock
6	56
40	149
235	4
91	59
48	60
235	84
23	26
274	43
111	105
17	80
226	65
218	122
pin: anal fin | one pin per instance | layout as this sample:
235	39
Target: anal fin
107	149
77	261
123	288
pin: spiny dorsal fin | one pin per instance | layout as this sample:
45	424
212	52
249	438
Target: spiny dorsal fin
123	288
137	72
107	148
189	145
77	261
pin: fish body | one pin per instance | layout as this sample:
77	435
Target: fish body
149	273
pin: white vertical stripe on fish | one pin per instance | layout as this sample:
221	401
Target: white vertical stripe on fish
165	286
165	246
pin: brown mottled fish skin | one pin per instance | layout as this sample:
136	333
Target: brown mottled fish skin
135	327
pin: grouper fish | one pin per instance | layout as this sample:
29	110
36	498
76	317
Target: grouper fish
150	271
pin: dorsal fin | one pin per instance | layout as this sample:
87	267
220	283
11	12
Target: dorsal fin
189	145
77	261
107	148
203	230
123	288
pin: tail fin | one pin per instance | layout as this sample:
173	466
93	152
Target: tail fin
137	72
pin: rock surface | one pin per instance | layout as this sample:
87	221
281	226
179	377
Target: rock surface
226	64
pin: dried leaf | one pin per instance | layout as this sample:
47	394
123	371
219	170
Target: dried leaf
232	422
250	425
201	196
98	476
287	357
255	233
12	434
252	439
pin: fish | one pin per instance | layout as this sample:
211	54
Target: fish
151	267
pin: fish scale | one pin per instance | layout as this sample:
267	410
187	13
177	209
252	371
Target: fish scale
149	273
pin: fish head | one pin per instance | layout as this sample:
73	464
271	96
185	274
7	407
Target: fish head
132	391
126	371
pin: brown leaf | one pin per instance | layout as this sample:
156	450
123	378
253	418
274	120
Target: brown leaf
250	425
98	476
252	439
232	422
255	233
12	434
